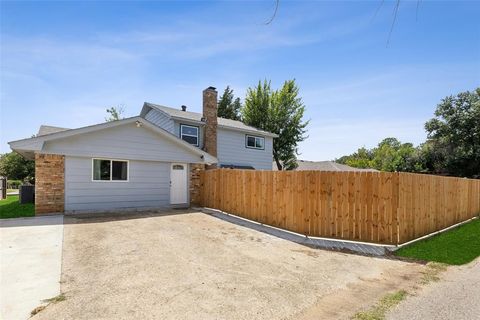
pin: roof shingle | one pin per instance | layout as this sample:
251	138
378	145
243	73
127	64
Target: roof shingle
44	130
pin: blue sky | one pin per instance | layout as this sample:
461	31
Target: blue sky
63	63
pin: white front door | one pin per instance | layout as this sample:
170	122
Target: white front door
178	183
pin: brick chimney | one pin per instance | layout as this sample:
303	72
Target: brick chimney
210	117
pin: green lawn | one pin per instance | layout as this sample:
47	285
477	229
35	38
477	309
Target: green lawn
11	208
456	246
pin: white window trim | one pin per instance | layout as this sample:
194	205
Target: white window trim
255	137
190	135
111	165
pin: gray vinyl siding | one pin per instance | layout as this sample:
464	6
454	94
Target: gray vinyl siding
123	142
176	130
147	187
230	143
160	119
231	149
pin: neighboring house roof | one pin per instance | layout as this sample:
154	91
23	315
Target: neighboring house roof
27	147
178	114
324	166
49	129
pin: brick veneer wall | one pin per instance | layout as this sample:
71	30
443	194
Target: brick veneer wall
195	187
210	115
49	183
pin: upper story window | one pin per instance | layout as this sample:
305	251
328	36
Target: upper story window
110	170
254	142
189	134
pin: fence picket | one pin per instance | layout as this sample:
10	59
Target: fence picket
374	206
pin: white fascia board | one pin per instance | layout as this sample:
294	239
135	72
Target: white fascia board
27	145
253	132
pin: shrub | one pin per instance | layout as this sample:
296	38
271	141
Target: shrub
14	184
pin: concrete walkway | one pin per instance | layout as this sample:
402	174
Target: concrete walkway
30	265
455	297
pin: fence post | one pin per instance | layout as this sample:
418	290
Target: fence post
395	207
3	188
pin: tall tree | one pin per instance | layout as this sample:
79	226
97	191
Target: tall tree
115	113
280	112
454	135
389	155
452	147
15	167
392	155
360	159
229	106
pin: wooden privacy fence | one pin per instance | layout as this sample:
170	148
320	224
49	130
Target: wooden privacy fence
381	207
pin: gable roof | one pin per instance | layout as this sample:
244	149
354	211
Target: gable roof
26	146
44	129
324	166
196	117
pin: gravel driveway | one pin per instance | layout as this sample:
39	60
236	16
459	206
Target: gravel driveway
189	265
456	297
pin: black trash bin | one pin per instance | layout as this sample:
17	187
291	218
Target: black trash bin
27	194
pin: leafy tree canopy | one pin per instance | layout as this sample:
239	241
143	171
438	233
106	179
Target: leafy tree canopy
229	106
452	147
389	155
281	112
15	167
115	113
454	135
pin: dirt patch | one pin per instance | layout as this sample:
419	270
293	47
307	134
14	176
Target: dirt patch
362	294
194	266
445	293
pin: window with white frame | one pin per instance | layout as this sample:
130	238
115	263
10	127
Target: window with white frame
189	134
109	170
254	142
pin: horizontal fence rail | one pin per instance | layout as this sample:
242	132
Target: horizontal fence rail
380	207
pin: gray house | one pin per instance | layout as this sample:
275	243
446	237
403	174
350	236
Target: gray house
149	161
238	145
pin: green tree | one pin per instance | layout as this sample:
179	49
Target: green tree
360	159
432	159
389	155
452	147
229	106
280	112
454	136
115	113
15	167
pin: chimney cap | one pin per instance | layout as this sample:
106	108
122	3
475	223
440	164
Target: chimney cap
184	108
211	88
